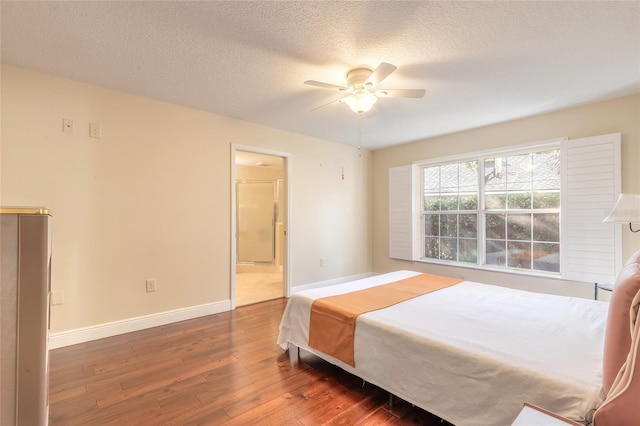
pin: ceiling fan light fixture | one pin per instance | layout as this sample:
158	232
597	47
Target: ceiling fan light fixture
361	101
360	92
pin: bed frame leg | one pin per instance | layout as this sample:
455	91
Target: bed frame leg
294	355
390	401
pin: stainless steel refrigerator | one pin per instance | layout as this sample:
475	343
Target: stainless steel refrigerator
25	252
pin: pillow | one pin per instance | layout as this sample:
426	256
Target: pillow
621	407
617	341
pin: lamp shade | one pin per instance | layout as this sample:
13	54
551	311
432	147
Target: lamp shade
626	210
361	101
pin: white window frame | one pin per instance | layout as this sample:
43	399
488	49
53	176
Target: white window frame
596	259
480	157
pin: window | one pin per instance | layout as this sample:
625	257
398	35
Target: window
522	211
450	212
536	209
516	207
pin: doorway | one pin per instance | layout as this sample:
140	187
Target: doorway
259	256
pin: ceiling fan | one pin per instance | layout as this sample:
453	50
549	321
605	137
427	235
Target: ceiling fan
360	93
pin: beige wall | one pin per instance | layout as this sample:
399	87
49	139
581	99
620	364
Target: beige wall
151	198
619	115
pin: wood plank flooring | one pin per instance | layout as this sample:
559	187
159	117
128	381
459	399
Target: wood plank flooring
219	369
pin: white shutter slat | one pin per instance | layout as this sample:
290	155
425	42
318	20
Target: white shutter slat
590	219
589	242
591	170
587	143
592	255
575	233
582	156
592	201
592	269
592	177
401	233
592	162
593	190
591	250
589	184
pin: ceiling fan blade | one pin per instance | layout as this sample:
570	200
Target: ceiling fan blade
325	85
400	93
379	74
329	103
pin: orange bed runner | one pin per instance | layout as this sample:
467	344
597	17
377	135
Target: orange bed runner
333	319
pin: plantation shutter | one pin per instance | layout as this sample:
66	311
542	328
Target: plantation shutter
591	182
401	233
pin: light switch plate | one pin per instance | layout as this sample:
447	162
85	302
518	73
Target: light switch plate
57	297
95	131
151	285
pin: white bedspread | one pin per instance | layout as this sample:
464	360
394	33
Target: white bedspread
472	353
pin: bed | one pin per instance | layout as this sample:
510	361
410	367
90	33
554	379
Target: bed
473	353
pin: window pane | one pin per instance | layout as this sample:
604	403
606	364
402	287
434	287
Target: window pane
519	227
448	248
546	257
468	225
546	200
546	169
449	177
519	200
496	226
468	175
496	252
449	202
519	172
450	188
519	255
546	227
432	202
431	225
494	176
495	201
469	250
469	201
449	225
432	179
432	248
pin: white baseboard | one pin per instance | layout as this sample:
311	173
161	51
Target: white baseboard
81	335
331	282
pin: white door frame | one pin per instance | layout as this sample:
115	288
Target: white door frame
287	242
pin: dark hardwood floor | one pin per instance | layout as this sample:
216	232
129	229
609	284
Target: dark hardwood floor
219	369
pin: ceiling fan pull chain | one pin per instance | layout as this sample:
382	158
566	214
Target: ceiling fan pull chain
359	134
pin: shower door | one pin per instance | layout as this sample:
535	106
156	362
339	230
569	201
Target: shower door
256	221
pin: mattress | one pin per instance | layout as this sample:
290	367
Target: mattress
472	353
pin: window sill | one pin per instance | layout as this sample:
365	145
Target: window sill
485	268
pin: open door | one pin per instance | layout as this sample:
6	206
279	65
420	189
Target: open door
259	252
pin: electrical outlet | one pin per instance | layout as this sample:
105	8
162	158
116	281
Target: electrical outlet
57	297
322	262
151	285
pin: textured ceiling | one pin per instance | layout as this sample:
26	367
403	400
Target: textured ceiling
480	62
